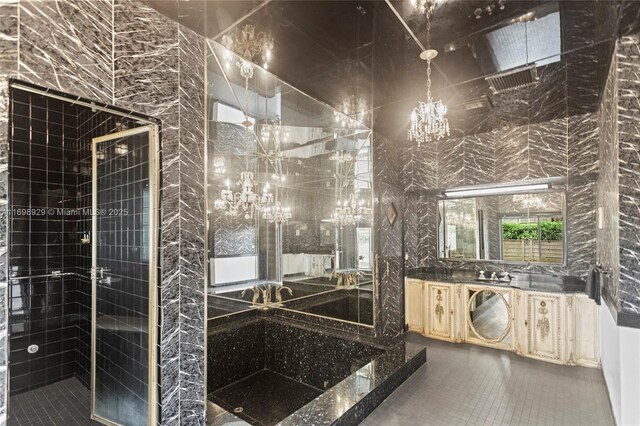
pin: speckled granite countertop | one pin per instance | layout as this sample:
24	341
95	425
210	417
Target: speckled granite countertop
523	281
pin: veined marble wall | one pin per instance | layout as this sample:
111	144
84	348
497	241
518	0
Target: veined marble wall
619	185
566	147
388	244
124	53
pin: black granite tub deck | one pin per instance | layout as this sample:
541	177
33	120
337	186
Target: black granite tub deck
267	371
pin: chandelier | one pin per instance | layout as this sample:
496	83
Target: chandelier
277	213
249	44
279	134
342	157
528	201
246	200
428	119
426	7
350	212
353	112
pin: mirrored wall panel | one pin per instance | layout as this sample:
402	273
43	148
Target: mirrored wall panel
513	228
289	198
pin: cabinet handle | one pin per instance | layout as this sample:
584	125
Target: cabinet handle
452	312
526	323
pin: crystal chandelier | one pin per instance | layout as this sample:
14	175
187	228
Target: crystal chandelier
428	119
342	157
350	212
246	200
279	134
277	213
249	44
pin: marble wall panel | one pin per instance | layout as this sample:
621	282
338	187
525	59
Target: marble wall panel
512	154
67	45
192	226
548	98
607	192
548	149
479	159
583	135
628	110
451	164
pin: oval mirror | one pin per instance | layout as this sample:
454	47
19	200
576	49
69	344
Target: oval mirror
488	315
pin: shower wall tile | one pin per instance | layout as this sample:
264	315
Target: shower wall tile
628	110
67	45
548	149
8	66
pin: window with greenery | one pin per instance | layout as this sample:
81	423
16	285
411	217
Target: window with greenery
532	239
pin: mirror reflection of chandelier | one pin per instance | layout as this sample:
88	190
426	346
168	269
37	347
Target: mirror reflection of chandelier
352	113
350	212
342	157
428	119
246	200
277	213
528	201
250	45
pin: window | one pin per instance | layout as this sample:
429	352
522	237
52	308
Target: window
532	239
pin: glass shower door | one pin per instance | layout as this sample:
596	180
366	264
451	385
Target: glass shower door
123	276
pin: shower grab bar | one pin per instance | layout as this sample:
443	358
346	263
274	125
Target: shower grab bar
51	275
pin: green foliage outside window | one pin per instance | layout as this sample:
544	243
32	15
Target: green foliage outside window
550	230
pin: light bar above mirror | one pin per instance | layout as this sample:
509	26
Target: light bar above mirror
496	190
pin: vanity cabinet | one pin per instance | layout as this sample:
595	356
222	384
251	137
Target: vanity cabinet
544	326
413	296
553	327
439	301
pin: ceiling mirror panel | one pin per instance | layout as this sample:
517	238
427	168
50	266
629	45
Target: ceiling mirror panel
522	227
288	193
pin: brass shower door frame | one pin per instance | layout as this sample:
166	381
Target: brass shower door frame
152	130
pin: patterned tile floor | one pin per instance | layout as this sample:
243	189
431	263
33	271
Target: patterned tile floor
472	385
64	403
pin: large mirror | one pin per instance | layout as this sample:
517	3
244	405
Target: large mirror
524	227
289	198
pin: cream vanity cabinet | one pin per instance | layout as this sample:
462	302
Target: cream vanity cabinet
552	327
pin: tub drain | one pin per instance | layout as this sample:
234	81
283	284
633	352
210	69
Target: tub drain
238	410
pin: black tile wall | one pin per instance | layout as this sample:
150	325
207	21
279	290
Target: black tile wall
50	177
42	311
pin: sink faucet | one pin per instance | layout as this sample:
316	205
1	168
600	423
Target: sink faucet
256	294
279	293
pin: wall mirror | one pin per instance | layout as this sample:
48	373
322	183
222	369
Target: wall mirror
523	227
288	198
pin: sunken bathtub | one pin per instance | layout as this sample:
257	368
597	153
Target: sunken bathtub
267	370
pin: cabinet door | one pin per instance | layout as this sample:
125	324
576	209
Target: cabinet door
413	306
440	311
544	326
586	332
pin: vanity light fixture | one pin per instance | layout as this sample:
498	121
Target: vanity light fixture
428	119
510	189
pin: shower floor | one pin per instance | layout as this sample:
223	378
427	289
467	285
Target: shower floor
66	402
265	397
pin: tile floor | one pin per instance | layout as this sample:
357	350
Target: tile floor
472	385
64	403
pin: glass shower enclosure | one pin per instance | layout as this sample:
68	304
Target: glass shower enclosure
123	341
